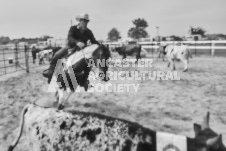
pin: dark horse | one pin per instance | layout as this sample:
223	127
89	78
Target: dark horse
77	65
129	50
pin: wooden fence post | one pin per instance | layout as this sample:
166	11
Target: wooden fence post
26	57
195	47
4	59
152	50
16	55
212	48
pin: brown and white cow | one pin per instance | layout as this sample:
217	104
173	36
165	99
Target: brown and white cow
45	54
54	130
178	53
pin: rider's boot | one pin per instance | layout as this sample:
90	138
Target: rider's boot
49	72
59	54
60	107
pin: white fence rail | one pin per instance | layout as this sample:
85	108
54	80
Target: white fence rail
202	47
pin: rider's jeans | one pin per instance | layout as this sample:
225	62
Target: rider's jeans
59	54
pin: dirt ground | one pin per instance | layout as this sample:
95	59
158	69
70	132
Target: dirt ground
161	105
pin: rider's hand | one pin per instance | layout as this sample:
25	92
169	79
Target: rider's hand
80	44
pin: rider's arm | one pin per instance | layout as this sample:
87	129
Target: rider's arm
71	40
92	38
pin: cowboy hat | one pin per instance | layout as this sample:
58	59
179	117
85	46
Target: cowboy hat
83	16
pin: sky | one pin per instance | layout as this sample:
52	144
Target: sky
35	18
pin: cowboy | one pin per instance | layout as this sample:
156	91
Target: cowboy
78	36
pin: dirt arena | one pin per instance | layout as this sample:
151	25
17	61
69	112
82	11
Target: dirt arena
167	106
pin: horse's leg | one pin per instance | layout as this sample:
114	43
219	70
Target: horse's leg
169	60
168	64
66	100
85	78
104	71
57	98
138	57
174	68
33	56
159	54
185	65
61	99
124	56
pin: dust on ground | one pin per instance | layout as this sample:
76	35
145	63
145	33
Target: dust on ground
166	106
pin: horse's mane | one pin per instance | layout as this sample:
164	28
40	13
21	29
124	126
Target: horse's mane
106	51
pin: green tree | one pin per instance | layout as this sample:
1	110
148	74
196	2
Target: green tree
176	38
113	35
197	30
4	40
45	37
163	38
215	36
138	31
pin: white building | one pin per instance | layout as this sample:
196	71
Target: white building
56	42
22	43
194	37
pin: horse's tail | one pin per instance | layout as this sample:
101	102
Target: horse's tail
15	142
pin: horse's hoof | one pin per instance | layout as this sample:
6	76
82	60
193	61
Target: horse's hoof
106	79
60	107
88	87
10	148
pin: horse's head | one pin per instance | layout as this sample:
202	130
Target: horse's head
206	138
101	56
